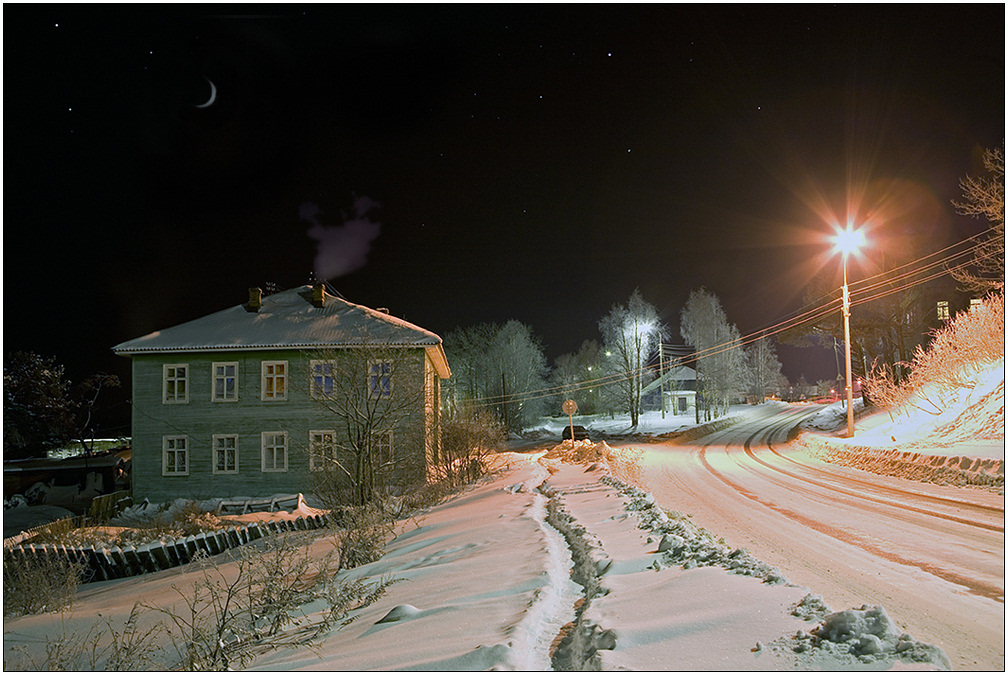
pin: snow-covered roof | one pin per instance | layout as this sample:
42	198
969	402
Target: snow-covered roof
677	374
289	319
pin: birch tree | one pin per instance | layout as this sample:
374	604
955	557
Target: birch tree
764	367
721	370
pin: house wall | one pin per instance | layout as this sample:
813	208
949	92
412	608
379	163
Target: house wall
247	417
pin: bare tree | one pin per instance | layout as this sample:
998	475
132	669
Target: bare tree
376	397
630	333
984	196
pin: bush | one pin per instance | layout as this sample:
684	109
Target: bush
469	440
38	584
956	353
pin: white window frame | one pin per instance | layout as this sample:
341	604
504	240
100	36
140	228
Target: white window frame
274	446
313	379
266	365
379	447
317	442
215	449
373	389
214	377
175	379
173	441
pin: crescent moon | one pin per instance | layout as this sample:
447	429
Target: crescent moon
213	94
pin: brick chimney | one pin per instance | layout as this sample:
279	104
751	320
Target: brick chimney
254	300
318	295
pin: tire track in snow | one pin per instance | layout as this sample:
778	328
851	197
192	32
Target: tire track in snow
974	586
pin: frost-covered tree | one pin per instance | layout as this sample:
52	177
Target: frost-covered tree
630	334
764	368
984	196
498	366
517	355
721	367
575	376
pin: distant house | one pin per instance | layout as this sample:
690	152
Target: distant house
680	387
229	405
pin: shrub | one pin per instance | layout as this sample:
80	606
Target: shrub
38	584
469	441
956	352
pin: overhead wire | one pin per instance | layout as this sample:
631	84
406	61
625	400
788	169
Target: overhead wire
859	288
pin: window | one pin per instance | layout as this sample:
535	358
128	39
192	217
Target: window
274	451
274	380
225	381
176	378
382	448
380	379
321	450
225	453
174	456
322	379
943	310
975	303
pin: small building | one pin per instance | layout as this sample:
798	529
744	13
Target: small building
680	388
248	401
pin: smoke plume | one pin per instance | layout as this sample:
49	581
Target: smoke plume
341	249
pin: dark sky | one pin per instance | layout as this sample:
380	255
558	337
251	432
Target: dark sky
529	162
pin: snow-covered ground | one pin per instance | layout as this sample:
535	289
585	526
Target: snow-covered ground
484	582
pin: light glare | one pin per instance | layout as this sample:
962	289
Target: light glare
849	240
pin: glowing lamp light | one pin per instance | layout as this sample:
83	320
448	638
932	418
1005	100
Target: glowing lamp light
848	241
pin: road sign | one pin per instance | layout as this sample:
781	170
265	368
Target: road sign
569	407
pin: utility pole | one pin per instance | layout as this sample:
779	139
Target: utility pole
661	375
504	402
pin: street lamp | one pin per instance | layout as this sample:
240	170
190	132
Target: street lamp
847	242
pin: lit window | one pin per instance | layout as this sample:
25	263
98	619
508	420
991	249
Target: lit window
382	448
174	456
322	379
176	379
975	303
274	380
943	310
274	451
225	381
380	379
225	449
322	450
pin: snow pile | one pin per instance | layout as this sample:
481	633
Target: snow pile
833	416
866	636
687	545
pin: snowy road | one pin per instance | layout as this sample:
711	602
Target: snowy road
932	555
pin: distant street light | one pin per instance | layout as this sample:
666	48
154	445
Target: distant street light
847	242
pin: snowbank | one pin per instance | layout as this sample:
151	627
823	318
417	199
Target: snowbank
954	438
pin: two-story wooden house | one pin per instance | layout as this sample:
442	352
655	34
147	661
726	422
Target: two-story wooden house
240	403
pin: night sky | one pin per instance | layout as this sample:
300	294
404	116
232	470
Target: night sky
522	162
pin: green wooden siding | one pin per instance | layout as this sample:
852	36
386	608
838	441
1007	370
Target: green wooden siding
201	418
